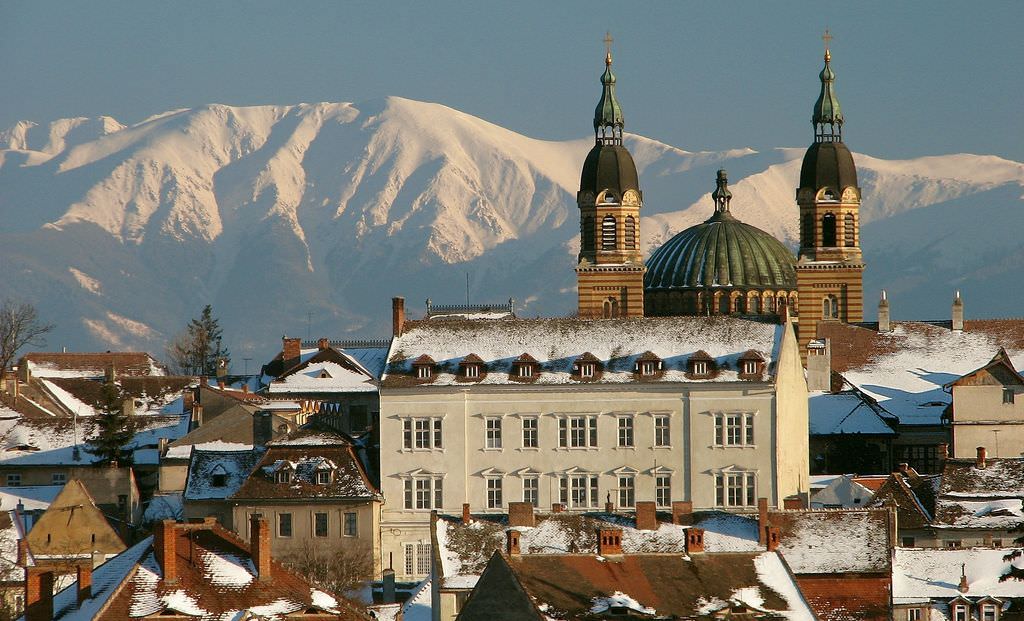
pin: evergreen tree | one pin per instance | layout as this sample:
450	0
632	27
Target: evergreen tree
197	350
114	428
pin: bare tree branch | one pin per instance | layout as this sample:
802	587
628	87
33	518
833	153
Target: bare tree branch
19	326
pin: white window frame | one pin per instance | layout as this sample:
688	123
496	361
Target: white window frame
344	524
986	608
492	433
495	492
961	612
734	429
531	490
471	371
423	371
323	477
327	519
626	491
423	433
648	368
417	558
663	489
662	431
579	490
625	431
750	367
736	488
524	370
531	432
587	370
913	614
283	475
577	431
700	367
423	492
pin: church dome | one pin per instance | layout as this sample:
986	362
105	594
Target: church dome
721	253
609	167
828	165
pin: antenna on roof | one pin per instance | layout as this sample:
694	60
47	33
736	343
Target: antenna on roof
467	288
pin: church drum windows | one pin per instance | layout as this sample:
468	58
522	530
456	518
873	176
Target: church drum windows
849	231
608	233
630	233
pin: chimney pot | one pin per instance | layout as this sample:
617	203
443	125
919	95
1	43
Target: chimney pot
883	314
609	541
694	540
84	582
772	538
958	313
964	586
521	514
323	344
466	517
512	542
646	515
982	455
259	546
397	316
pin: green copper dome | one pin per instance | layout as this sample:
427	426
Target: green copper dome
721	253
608	112
827	116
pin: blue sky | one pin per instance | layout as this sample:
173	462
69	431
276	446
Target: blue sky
914	78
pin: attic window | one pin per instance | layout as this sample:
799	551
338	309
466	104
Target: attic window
324	374
586	369
323	477
750	367
699	367
524	370
283	476
649	367
423	371
219	480
471	371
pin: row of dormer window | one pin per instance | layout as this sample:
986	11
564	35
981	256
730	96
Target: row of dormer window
589	367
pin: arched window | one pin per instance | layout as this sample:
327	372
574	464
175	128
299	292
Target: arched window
611	308
849	231
830	307
630	233
755	305
828	230
807	231
608	233
769	304
588	233
741	305
723	304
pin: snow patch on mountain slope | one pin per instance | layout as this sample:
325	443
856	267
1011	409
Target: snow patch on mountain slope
88	283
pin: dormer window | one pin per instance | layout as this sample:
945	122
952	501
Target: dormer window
423	367
524	367
751	365
700	367
471	371
585	367
323	477
471	367
525	370
700	364
648	365
283	476
423	372
219	476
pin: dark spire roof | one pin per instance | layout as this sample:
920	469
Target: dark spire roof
827	116
722	195
608	120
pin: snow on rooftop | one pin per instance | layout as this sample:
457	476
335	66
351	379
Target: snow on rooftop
907	380
417	607
919	574
620	600
31	496
844	412
234	465
772	573
185	451
105	580
843	491
557	343
223	569
999	513
323	377
819	542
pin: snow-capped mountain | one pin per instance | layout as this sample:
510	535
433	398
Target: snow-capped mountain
305	219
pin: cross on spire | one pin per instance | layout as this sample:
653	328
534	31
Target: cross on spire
827	38
608	47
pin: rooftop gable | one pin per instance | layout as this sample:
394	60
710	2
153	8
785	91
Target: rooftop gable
73	525
998	372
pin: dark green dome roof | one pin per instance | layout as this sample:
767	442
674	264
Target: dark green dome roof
828	165
609	167
722	252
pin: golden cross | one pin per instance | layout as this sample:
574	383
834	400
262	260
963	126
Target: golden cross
827	38
608	42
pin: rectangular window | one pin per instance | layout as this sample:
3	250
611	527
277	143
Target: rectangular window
472	371
700	367
493	440
417	559
735	489
530	433
626	431
58	478
587	369
525	370
988	612
284	524
494	500
351	525
749	367
580	491
319	524
648	368
531	487
627	491
663	490
1008	396
577	431
410	559
954	543
323	477
423	372
13	480
662	435
423	493
734	429
960	613
913	614
421	433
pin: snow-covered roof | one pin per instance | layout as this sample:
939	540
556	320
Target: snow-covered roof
31	497
847	412
999	478
105	581
11	530
234	465
843	491
164	507
52	441
91	365
346	478
558	343
323	377
185	451
834	541
905	370
922	574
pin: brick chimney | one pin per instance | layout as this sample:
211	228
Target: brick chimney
557	507
259	545
982	455
22	551
521	514
291	351
164	550
883	314
397	316
262	427
958	313
323	344
964	585
646	515
819	365
466	517
512	541
609	541
84	582
694	540
762	519
682	512
772	538
38	594
794	502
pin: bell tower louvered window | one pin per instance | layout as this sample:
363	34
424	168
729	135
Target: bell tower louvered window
828	230
608	233
849	231
630	233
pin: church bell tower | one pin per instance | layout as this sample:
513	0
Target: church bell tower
830	268
610	271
